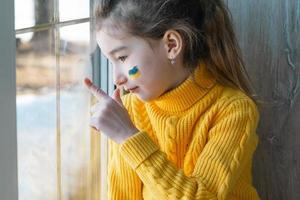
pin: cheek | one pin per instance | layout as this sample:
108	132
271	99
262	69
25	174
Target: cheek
134	72
144	69
151	71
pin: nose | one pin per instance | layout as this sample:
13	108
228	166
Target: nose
119	77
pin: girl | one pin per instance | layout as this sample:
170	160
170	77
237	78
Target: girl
187	128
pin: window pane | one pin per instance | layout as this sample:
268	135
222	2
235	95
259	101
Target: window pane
73	9
74	112
32	12
36	116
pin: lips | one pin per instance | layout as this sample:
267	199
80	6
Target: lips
133	89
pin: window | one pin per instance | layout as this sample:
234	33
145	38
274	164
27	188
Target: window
58	156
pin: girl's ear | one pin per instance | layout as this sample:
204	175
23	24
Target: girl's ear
173	43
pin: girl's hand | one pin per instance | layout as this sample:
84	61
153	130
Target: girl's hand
109	115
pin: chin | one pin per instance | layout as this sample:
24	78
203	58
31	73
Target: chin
145	98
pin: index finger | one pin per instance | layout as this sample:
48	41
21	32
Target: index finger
97	92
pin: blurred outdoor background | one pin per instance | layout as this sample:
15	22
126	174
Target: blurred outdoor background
52	58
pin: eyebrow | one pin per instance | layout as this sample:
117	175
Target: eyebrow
117	49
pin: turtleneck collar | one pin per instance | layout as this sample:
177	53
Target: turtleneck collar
188	92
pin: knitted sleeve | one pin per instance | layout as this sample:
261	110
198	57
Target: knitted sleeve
123	182
231	144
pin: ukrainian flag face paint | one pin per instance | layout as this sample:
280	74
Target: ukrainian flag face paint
134	73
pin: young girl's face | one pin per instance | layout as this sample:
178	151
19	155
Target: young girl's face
156	74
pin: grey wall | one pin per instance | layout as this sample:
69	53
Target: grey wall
269	35
8	139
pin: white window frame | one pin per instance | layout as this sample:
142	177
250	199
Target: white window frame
8	128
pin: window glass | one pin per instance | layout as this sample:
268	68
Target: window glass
74	111
36	116
32	12
52	104
73	9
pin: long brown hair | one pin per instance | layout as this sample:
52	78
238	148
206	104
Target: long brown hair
205	26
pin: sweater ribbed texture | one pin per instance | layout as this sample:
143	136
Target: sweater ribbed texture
195	142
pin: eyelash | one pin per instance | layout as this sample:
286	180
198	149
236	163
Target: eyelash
122	58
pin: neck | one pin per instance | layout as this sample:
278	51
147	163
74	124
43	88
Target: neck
179	77
188	92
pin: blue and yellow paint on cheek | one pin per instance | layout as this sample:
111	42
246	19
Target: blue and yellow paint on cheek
134	72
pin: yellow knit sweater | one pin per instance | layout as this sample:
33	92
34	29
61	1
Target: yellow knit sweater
194	143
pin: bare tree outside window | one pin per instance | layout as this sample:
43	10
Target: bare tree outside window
43	13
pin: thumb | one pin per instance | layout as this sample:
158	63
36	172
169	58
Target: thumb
117	96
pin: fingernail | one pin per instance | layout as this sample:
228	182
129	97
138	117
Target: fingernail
87	81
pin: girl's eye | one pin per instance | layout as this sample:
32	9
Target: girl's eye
122	58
